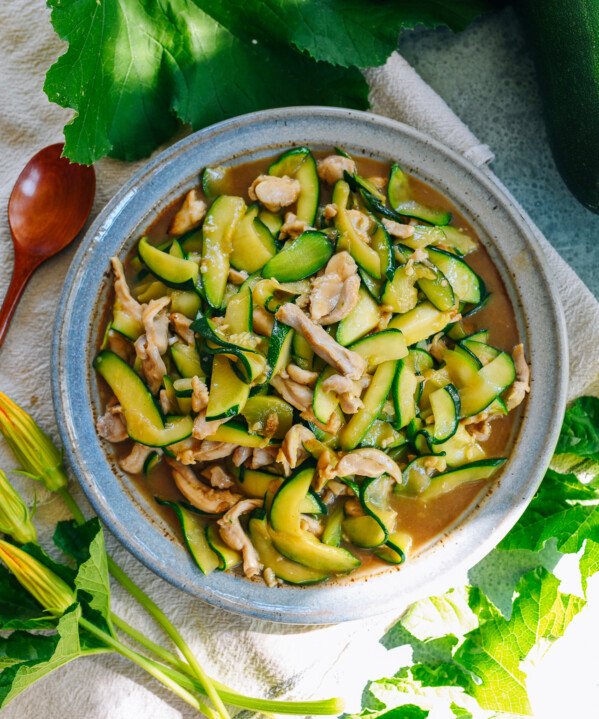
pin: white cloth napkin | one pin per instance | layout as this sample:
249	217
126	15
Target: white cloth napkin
257	657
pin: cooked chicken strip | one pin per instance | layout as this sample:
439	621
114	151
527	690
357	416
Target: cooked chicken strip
516	393
237	277
111	425
396	229
181	325
191	451
263	456
119	345
199	397
292	227
232	534
151	346
368	462
347	362
190	214
301	376
134	461
292	450
263	321
274	192
122	292
335	293
241	454
203	429
438	346
298	395
212	501
331	168
217	476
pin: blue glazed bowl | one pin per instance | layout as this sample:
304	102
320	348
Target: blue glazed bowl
512	247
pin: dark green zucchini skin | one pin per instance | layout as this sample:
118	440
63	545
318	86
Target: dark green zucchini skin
563	36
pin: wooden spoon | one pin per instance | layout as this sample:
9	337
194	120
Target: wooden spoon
49	204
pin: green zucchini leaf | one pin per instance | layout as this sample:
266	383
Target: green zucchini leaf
589	562
134	72
580	431
18	609
342	32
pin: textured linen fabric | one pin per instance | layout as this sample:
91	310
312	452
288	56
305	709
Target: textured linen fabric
254	656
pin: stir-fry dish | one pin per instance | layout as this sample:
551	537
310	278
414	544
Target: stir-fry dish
296	364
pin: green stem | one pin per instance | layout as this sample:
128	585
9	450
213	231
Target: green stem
154	610
148	644
153	668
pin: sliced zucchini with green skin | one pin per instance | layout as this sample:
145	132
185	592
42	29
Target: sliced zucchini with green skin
448	481
396	549
259	408
352	434
191	242
400	199
300	258
375	498
227	557
445	404
272	220
279	348
253	244
324	403
252	362
333	527
186	302
462	367
492	380
124	324
381	244
312	503
300	164
403	391
419	360
234	433
283	568
218	229
421	323
306	549
142	416
285	511
215	181
459	449
483	352
466	284
458	240
423	236
183	387
381	347
365	316
172	271
176	250
193	528
169	389
238	315
186	359
302	351
374	287
401	293
364	255
364	532
228	393
438	291
433	380
383	436
151	462
330	440
416	476
255	483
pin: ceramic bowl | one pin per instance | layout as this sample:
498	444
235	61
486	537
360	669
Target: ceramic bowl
512	247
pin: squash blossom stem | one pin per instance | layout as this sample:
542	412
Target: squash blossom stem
15	517
32	447
47	588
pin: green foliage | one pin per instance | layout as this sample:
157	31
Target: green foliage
135	72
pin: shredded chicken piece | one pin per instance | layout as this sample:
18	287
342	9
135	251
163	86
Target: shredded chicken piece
298	395
233	535
189	215
217	476
438	347
368	462
331	426
347	362
330	211
122	292
386	313
271	425
347	390
274	192
241	454
212	501
301	376
270	578
350	403
237	277
182	326
312	525
481	431
166	405
111	425
293	452
353	508
379	182
134	461
361	224
325	467
335	294
202	428
199	397
435	462
263	456
397	229
339	489
331	168
516	393
292	227
263	321
151	346
119	345
192	451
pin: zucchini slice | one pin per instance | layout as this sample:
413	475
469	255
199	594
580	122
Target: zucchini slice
403	390
187	360
375	498
302	351
463	367
272	220
466	284
458	240
483	352
238	315
382	245
253	245
365	256
218	229
285	510
227	557
400	199
151	462
381	347
420	360
300	164
279	348
228	393
186	302
421	322
383	436
285	569
324	403
491	381
445	404
193	528
362	319
306	549
300	258
364	532
353	433
259	408
124	324
234	433
142	416
256	484
473	472
375	287
173	271
396	549
333	527
215	181
416	476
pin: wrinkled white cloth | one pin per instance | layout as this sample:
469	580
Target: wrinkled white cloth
257	657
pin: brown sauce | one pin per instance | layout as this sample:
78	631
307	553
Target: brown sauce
425	522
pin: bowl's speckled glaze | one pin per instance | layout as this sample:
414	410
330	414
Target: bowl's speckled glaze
512	247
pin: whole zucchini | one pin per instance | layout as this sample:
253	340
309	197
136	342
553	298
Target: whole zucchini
564	39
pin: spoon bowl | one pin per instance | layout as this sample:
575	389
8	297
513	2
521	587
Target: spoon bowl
49	205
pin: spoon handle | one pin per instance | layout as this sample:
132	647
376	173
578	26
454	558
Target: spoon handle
23	269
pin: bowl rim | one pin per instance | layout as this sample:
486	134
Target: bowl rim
290	605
